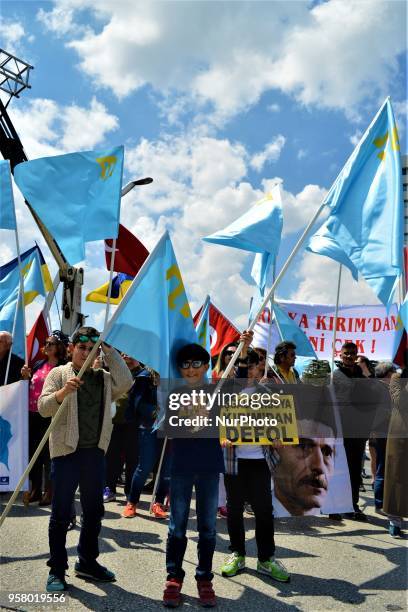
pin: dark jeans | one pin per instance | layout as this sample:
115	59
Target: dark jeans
123	446
37	426
84	468
253	484
150	447
354	448
380	445
181	488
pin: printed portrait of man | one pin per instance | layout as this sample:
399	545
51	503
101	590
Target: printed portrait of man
304	471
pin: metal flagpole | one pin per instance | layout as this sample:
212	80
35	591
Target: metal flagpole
268	346
112	264
12	336
156	483
336	316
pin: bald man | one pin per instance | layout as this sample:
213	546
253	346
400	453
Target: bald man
16	363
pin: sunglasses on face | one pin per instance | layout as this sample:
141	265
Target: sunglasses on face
229	353
195	364
88	338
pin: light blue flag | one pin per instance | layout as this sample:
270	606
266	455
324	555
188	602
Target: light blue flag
154	320
76	196
10	303
261	269
258	230
33	279
7	210
323	243
288	330
255	304
366	219
203	329
404	312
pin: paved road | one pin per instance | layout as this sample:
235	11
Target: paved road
334	566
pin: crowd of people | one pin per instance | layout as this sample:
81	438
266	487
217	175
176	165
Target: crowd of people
90	447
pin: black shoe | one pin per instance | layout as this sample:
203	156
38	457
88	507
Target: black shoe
360	516
94	572
335	517
362	488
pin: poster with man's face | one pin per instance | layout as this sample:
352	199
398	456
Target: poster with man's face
312	478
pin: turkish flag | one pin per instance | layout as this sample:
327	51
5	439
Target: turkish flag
222	331
130	253
36	340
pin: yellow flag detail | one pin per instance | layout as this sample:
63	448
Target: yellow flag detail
174	272
107	165
381	142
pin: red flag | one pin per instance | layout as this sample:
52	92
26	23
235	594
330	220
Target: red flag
130	253
222	331
36	339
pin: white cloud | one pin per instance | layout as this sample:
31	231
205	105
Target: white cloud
301	154
12	34
317	277
270	153
273	108
85	128
230	54
47	128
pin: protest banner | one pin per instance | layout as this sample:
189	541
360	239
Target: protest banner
375	331
13	434
258	418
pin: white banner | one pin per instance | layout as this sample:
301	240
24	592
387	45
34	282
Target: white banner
13	434
376	333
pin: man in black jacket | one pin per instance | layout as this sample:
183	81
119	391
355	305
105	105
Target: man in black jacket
353	398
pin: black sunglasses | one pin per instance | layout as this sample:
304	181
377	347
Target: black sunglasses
195	363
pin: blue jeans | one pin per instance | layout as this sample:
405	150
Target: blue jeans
380	445
181	489
84	468
150	447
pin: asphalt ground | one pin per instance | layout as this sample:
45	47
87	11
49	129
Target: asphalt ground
334	566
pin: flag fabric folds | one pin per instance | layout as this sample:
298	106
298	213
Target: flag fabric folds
120	284
203	329
258	230
7	210
10	302
76	196
32	276
260	269
36	339
323	243
154	319
366	218
288	330
130	253
222	331
26	258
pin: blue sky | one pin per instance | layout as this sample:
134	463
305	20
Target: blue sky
217	101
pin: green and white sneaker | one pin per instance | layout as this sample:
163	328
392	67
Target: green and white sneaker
273	568
233	564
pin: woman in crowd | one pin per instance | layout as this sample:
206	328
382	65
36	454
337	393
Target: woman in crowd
143	408
223	360
55	354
